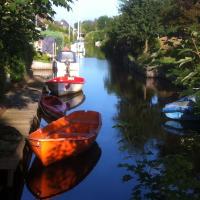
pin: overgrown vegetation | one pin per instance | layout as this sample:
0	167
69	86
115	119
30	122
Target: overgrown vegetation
60	37
158	34
39	56
95	30
158	163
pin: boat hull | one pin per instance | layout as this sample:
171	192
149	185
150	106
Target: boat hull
65	85
183	109
182	116
185	106
61	89
52	106
51	151
66	174
65	137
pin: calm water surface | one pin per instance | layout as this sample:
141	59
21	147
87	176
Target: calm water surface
138	155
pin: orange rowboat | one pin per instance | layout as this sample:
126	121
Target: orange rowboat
60	177
65	137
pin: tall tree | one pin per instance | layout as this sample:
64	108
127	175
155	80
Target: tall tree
103	22
141	20
190	10
18	30
88	26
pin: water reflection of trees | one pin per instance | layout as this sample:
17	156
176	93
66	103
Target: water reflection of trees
174	174
135	118
92	51
160	165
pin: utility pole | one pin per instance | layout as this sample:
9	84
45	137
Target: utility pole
78	30
69	33
73	32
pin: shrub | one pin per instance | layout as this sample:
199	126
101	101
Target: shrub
17	69
42	57
59	37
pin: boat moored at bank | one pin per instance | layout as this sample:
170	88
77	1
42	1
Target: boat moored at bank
65	85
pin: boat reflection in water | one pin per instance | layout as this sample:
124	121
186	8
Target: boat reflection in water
45	182
181	127
72	101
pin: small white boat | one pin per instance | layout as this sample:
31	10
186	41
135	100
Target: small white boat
78	47
67	63
65	85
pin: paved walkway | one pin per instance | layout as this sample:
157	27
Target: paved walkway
21	106
21	119
17	117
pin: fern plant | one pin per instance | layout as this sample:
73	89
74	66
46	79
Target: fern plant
187	67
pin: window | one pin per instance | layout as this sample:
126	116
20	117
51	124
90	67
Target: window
64	56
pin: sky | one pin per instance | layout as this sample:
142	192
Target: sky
87	10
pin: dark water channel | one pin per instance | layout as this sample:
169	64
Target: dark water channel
138	153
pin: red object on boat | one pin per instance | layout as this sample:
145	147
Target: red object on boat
65	85
46	182
53	106
66	49
65	137
67	79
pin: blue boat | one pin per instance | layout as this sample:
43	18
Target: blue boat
183	109
181	128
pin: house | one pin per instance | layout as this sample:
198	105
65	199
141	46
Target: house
46	45
64	24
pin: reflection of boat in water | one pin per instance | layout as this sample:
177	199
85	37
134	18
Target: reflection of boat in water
65	137
45	182
181	128
73	100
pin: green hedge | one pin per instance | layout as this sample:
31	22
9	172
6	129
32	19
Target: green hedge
61	38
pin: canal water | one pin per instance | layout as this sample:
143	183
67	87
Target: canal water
138	154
